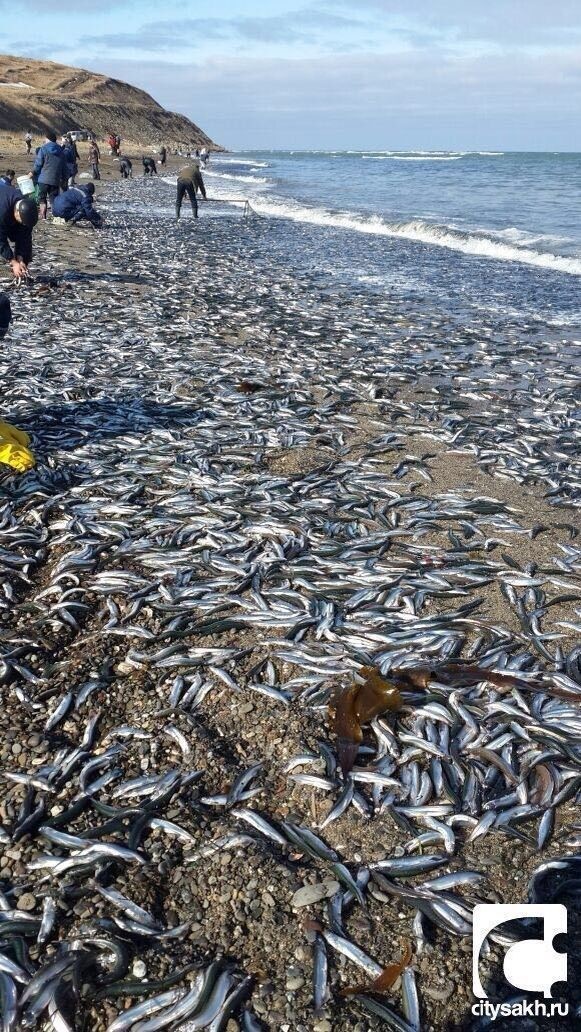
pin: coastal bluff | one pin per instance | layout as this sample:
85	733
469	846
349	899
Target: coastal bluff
38	95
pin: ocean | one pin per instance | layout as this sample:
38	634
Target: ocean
495	230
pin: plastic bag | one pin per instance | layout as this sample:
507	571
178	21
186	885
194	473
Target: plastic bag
14	450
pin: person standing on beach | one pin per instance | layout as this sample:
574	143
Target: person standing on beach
48	171
189	182
18	217
94	158
28	142
162	154
71	155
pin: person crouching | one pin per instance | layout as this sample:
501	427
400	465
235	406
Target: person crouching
76	204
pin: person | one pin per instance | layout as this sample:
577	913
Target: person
126	168
162	154
8	178
48	171
149	167
204	156
189	182
117	145
5	314
28	142
18	217
71	156
94	158
76	204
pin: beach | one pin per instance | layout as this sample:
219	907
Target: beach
259	477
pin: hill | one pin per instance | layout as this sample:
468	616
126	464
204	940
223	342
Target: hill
38	95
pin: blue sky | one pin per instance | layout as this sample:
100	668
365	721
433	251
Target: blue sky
466	74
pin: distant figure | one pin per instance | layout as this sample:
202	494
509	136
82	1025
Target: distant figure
94	157
8	178
189	182
71	156
76	204
126	168
117	145
28	142
48	171
149	167
162	154
18	217
204	156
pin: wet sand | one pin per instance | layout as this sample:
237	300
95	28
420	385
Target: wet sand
240	903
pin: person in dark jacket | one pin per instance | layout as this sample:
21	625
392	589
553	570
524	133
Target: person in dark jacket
76	204
163	154
126	168
18	217
71	156
48	171
8	178
149	167
5	314
189	182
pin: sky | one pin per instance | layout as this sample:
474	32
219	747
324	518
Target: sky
433	74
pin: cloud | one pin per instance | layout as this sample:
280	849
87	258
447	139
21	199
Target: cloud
371	100
304	25
503	21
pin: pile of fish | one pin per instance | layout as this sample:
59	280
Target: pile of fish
246	501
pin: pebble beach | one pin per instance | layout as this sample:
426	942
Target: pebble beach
255	480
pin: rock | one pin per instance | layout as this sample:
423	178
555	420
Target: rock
309	894
26	902
139	969
294	982
322	1026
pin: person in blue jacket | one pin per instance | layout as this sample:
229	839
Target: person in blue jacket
49	171
76	204
18	217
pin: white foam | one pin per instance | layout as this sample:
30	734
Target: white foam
479	244
240	161
239	179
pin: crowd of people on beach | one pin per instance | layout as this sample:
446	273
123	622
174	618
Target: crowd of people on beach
50	187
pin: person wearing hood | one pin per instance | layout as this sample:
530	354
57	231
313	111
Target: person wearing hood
18	217
76	204
8	178
48	172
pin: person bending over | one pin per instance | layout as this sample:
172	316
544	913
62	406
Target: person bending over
8	178
76	204
149	167
189	182
18	217
126	168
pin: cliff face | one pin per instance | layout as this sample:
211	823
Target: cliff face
40	95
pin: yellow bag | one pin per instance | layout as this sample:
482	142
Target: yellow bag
13	448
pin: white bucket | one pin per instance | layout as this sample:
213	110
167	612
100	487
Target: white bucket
25	185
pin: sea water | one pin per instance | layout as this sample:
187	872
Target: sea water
490	229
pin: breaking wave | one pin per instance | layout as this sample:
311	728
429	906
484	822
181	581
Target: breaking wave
481	243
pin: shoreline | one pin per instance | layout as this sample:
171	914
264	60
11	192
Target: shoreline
201	500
